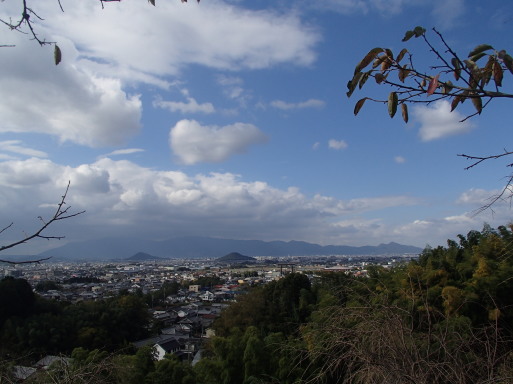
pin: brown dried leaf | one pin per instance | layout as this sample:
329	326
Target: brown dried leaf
392	104
379	77
457	68
480	49
433	84
385	64
508	62
401	54
498	74
404	111
368	59
478	104
364	79
57	54
455	102
359	105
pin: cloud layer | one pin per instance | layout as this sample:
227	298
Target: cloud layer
194	143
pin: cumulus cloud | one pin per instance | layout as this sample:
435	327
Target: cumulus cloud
437	121
337	144
311	103
65	101
194	143
122	198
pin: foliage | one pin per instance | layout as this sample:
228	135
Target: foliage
479	76
29	323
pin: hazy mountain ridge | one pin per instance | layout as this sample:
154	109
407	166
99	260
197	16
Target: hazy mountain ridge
206	247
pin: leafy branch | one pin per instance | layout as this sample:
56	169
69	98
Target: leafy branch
480	84
61	213
478	78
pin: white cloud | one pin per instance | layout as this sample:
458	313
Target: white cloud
447	12
193	143
385	7
437	121
122	198
126	151
337	144
136	37
191	106
232	88
311	103
399	159
16	146
63	101
316	146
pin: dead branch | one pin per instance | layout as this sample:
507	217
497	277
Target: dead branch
61	213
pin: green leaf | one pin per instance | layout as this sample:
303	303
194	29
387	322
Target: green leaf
404	111
419	31
359	105
57	54
368	59
408	35
480	49
478	56
392	104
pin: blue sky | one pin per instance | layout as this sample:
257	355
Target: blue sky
230	119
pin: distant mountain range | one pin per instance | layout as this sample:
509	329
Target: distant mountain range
206	247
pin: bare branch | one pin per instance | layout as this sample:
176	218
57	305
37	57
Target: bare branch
61	213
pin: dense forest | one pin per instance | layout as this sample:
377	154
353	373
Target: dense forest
446	317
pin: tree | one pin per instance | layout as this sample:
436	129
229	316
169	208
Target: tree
478	77
61	213
24	23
